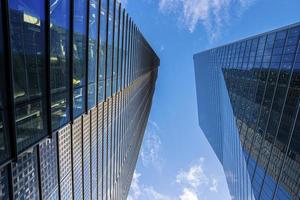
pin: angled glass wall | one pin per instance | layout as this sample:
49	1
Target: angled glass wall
261	75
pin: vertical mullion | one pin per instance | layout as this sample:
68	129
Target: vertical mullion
122	51
58	166
98	55
106	48
118	47
125	50
113	48
9	83
129	53
71	59
87	56
10	181
47	58
39	171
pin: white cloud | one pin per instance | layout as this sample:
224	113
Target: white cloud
135	190
188	194
194	177
214	185
211	14
151	149
139	191
196	181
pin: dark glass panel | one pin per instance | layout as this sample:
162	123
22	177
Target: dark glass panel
4	153
27	29
1	61
60	110
79	56
92	52
102	49
59	62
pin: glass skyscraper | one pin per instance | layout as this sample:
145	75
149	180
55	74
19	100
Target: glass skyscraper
248	104
77	79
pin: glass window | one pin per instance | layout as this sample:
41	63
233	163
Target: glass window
59	62
125	51
102	49
110	48
120	49
79	56
92	52
116	45
27	28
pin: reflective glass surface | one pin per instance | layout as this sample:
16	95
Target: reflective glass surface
115	49
94	155
79	56
59	62
109	63
262	81
92	52
27	28
120	49
102	49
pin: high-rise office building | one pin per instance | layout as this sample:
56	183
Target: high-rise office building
248	104
76	84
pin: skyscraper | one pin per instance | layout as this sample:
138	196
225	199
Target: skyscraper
76	84
248	104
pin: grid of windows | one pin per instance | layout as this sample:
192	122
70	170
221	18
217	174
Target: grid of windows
48	169
81	77
262	80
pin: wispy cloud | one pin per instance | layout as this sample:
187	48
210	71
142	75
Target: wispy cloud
214	186
213	15
192	184
139	191
188	194
194	177
135	190
151	149
195	180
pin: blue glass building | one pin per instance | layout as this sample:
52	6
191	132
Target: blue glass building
248	104
77	79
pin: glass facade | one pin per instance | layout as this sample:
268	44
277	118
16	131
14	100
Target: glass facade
27	38
79	56
74	127
255	84
59	62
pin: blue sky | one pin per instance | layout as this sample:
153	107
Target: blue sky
176	162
